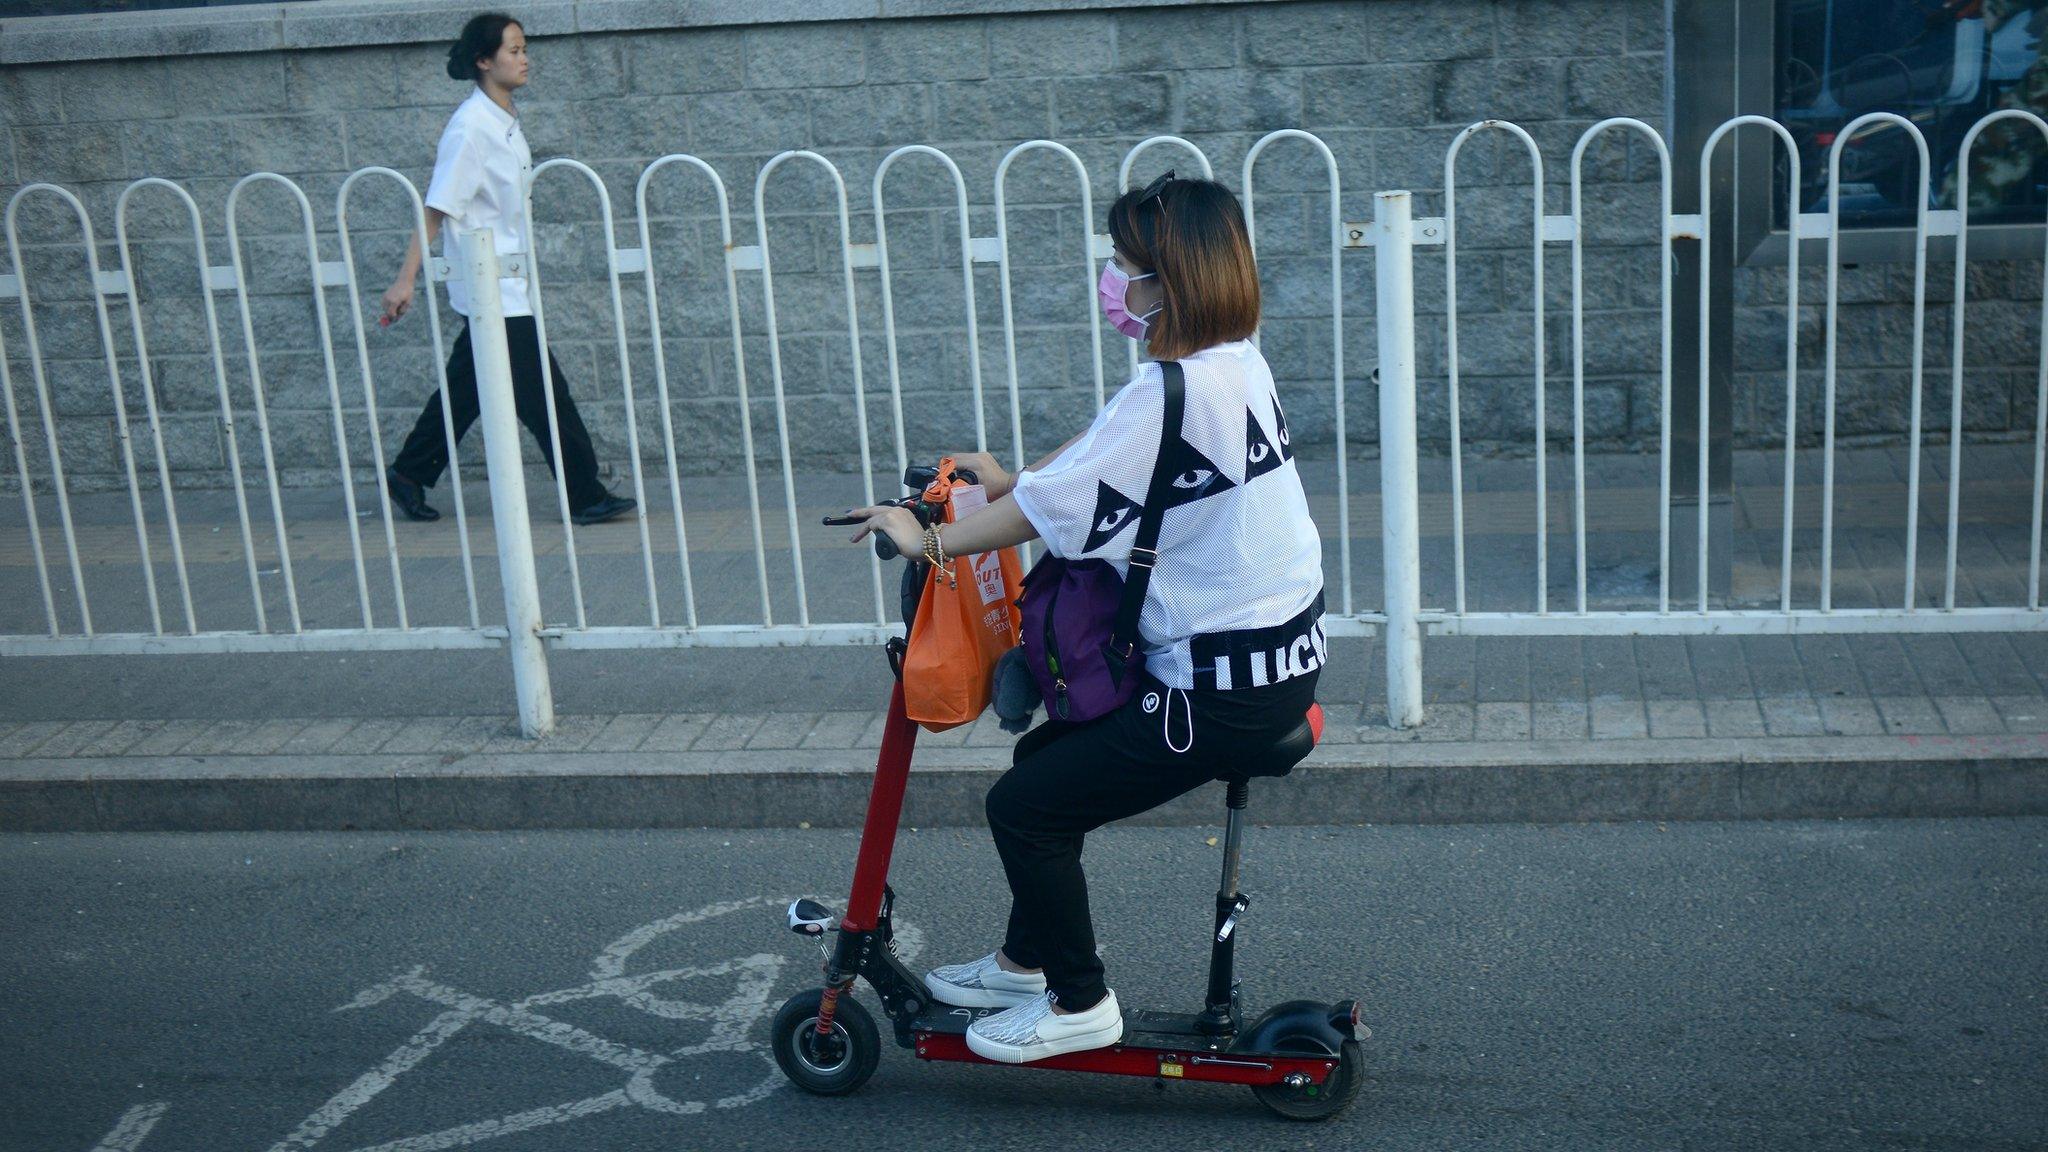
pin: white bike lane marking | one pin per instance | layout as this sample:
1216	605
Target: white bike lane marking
730	1021
131	1128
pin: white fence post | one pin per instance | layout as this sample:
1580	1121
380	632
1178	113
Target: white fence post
1400	541
502	463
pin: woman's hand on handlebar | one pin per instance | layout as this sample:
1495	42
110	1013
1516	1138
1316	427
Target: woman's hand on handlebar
987	470
898	524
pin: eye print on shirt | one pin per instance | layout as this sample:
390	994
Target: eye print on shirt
1260	457
1194	476
1114	512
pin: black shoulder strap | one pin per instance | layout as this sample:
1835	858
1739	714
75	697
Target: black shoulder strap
1123	639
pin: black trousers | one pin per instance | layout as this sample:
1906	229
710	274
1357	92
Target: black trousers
1066	780
425	454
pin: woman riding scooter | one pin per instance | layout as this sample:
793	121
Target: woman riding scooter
1238	577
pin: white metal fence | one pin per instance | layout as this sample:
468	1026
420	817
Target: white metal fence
1787	616
1393	233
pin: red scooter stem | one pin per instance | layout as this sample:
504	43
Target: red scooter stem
885	811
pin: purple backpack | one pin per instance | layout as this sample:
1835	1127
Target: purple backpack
1080	619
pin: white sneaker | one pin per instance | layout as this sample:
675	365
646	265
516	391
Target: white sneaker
1033	1031
984	984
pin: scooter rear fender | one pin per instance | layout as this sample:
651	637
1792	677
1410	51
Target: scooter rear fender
1302	1028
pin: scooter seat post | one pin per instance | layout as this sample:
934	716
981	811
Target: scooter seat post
1219	1013
1235	800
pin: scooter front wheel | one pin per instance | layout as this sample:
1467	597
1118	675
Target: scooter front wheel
827	1064
1318	1101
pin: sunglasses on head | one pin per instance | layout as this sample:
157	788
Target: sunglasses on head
1156	188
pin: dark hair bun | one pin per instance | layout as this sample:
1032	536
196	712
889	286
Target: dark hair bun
481	38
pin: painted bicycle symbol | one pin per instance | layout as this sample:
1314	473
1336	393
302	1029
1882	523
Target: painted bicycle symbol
660	993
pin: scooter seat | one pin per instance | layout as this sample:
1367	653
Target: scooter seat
1286	752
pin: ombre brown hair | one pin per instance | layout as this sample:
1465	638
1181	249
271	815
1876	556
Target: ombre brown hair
1192	234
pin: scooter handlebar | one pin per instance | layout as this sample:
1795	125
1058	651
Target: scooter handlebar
918	478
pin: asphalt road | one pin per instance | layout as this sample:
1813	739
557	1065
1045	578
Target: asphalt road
1759	985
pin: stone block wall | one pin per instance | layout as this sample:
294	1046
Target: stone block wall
1385	83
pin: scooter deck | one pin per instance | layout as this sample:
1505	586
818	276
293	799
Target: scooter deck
1164	1045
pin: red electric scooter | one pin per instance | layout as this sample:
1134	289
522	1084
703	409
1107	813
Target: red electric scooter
1301	1058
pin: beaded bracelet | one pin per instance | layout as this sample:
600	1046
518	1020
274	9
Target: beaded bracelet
935	555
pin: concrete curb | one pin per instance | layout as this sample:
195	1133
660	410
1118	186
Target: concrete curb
1540	782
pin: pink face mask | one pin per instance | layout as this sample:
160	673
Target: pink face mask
1110	289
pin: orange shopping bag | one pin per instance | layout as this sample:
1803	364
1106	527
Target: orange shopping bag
966	620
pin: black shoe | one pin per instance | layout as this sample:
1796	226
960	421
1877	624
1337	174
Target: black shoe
609	508
409	497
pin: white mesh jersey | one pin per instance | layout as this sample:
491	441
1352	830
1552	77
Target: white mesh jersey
1237	549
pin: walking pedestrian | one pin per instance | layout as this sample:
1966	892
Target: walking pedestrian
480	174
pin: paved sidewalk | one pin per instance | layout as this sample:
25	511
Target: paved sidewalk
1547	728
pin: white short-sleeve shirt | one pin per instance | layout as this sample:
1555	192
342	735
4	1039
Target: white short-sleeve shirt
1237	549
480	173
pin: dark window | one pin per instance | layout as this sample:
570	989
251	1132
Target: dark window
1943	65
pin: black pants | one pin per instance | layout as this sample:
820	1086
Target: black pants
1066	780
425	454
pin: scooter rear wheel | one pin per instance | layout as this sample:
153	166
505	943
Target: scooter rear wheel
828	1065
1318	1102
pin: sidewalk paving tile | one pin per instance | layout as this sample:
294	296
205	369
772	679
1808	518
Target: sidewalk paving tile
1502	720
1829	665
837	730
1850	716
1558	720
2032	650
419	736
1998	668
1773	664
1448	674
1941	664
220	738
1791	716
2022	713
1377	732
1967	715
1884	666
318	737
1665	668
1616	719
784	730
625	733
1611	668
366	737
1719	669
729	731
571	734
1447	722
1677	720
872	736
676	733
73	737
24	740
1501	668
270	736
1727	718
121	737
1909	714
468	735
167	739
1557	669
